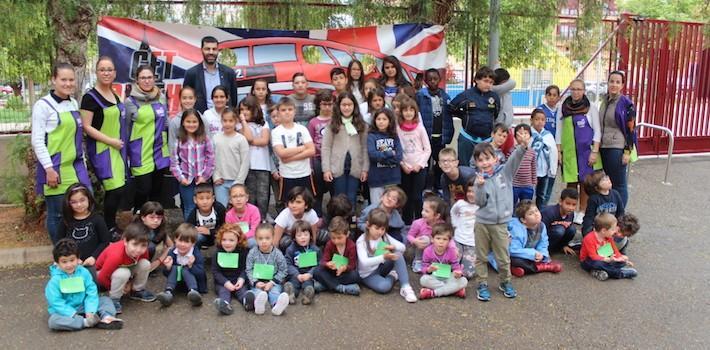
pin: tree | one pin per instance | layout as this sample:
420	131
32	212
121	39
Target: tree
672	10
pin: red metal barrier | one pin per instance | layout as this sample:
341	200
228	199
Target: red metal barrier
668	78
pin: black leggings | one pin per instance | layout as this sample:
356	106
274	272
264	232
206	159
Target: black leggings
528	265
114	200
147	187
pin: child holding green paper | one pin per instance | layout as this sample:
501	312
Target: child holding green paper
442	274
72	297
229	269
302	258
337	269
184	264
380	258
266	270
599	254
243	213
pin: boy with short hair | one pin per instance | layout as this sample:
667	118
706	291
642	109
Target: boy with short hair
304	108
208	215
558	220
494	196
552	97
341	279
73	300
433	105
454	178
294	147
184	264
339	80
628	226
478	109
124	261
499	135
599	254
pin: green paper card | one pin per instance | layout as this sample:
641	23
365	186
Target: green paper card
339	260
307	259
71	285
606	250
179	273
381	248
244	226
442	270
228	260
263	271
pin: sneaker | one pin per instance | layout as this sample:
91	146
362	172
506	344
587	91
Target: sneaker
142	295
319	287
461	293
260	302
426	293
308	294
90	322
600	275
110	323
417	266
223	306
249	301
349	289
117	306
291	291
482	293
628	272
281	304
408	294
194	297
517	271
508	290
165	298
394	275
578	217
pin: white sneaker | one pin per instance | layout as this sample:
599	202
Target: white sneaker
578	217
408	294
394	275
281	304
260	302
417	266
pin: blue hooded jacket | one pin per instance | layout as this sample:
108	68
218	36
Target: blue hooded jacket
67	304
519	238
427	111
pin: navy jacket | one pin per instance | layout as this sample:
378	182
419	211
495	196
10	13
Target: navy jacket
195	78
385	153
197	269
477	110
222	274
427	112
292	253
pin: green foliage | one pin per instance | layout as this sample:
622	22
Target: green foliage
26	38
16	103
673	10
12	181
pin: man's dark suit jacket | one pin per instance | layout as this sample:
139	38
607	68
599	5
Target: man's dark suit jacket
195	78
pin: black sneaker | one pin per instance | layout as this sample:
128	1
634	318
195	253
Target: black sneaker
628	272
308	294
194	297
223	307
114	324
291	291
142	295
600	275
249	301
165	298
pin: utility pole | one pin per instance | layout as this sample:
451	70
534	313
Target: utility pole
494	35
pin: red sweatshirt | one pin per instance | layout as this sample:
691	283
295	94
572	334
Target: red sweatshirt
590	245
350	253
113	257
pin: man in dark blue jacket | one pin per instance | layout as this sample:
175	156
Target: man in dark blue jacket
433	106
204	76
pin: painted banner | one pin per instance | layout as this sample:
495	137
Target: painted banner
270	54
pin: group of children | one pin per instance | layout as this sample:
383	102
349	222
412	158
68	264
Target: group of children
380	136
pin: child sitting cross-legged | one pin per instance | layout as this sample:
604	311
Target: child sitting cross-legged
184	264
229	270
72	297
266	270
599	254
207	216
302	258
442	274
337	270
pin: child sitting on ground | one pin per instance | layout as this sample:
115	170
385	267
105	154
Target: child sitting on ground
602	199
442	274
152	215
300	207
124	261
528	242
599	254
229	271
72	297
339	274
184	264
266	270
392	199
558	221
302	258
454	177
243	213
628	226
208	215
463	218
434	211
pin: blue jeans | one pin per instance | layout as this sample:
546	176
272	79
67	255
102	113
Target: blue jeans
74	323
186	199
298	285
221	192
54	215
559	236
348	185
543	190
520	193
611	268
380	282
612	160
188	278
273	293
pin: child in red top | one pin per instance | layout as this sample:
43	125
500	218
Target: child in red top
599	253
125	260
342	279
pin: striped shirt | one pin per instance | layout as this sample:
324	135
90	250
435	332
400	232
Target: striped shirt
526	176
191	159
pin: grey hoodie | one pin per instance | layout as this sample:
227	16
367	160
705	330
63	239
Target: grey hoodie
495	196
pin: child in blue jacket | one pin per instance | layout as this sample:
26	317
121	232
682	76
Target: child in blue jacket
72	297
434	107
185	264
385	152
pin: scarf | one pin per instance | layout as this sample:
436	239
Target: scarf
487	176
349	127
542	151
408	126
570	108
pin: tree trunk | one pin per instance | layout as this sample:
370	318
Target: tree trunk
72	26
443	11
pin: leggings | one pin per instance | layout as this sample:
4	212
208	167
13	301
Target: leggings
114	200
148	187
413	184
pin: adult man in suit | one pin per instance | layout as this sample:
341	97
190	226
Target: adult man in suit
204	76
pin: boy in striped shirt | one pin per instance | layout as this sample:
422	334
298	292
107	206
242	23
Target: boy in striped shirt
525	178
